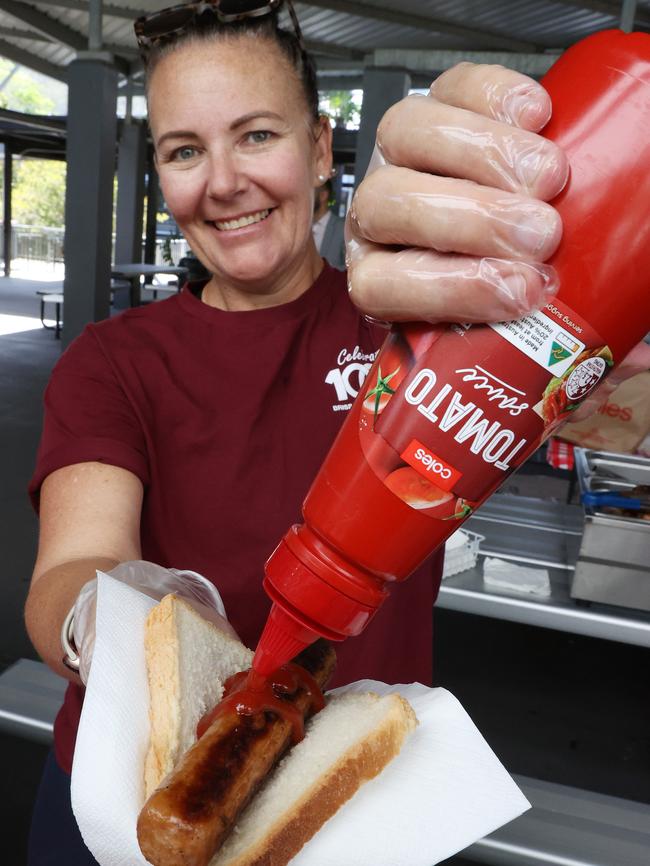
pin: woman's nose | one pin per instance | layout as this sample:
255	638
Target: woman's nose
226	178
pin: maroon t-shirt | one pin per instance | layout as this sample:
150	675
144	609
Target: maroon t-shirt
226	417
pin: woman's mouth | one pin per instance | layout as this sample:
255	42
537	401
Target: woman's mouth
240	222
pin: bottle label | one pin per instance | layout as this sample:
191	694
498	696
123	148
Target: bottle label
449	412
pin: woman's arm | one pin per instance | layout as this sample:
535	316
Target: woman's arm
89	519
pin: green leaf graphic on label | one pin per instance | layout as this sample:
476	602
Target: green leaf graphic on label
382	387
558	354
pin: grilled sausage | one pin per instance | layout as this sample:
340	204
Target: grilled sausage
186	820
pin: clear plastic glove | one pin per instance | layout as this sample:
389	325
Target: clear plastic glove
154	581
450	222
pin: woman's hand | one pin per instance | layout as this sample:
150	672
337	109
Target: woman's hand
450	223
156	582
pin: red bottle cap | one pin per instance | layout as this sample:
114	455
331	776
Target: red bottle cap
315	593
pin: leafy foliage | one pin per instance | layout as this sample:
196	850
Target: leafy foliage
39	192
341	104
18	92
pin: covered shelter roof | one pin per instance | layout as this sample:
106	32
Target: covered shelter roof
343	34
381	46
32	135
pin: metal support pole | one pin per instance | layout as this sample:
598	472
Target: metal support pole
153	198
6	228
128	98
628	11
381	89
92	132
95	35
130	192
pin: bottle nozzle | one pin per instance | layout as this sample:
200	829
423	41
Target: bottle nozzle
282	639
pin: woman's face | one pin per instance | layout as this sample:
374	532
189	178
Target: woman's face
239	157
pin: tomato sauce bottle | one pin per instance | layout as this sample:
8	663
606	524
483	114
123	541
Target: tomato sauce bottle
448	412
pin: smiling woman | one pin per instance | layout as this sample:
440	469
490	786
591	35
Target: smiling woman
188	431
239	158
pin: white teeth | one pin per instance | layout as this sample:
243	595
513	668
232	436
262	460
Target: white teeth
227	225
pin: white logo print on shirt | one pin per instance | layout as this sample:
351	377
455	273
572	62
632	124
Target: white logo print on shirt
348	377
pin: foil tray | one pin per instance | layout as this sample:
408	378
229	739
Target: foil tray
613	565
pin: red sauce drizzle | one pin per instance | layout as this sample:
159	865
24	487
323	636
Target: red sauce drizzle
248	693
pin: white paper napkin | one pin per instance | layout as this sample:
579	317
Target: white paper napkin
445	790
506	576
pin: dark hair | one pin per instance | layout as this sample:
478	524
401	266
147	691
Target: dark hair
207	28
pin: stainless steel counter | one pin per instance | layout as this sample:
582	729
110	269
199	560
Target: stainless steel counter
566	826
546	534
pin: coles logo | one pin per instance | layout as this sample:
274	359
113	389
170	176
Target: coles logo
430	466
584	378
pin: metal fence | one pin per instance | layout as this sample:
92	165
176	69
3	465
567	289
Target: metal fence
35	243
45	245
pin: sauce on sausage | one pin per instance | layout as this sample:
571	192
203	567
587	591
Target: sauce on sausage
248	693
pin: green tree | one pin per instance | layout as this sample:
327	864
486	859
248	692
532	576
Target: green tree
39	192
20	92
340	104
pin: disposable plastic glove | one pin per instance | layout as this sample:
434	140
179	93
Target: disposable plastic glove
450	222
154	581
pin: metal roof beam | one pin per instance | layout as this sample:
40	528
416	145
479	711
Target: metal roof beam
44	24
435	61
17	33
63	34
607	7
124	52
44	123
31	61
422	22
338	65
107	8
330	49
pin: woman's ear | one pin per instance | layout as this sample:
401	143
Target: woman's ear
323	146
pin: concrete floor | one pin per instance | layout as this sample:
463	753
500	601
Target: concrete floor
559	707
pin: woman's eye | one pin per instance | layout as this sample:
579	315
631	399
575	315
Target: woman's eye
259	136
182	154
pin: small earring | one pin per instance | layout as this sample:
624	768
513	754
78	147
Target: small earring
322	178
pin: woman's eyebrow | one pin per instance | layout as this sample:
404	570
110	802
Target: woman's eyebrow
254	115
175	133
240	121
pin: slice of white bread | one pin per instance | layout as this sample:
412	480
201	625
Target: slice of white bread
188	660
346	744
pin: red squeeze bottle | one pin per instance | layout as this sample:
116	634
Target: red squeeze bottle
448	412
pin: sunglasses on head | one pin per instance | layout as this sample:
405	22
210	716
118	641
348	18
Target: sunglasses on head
151	29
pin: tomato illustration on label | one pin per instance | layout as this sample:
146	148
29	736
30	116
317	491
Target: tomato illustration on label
462	509
417	491
420	493
392	367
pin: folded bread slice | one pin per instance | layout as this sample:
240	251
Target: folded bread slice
345	745
188	660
